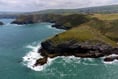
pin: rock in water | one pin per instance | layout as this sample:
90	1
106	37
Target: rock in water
1	23
41	61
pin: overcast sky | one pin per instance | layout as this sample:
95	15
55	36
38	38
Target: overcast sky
36	5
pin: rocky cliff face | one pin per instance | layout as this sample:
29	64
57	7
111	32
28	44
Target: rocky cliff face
61	21
82	41
25	19
30	19
86	29
74	48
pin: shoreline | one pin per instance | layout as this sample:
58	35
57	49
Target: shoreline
70	48
30	59
43	62
96	51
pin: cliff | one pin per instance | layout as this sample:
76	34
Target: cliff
92	39
61	21
82	41
73	48
87	36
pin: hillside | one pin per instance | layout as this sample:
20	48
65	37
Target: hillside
61	21
94	38
89	10
99	9
83	33
105	23
87	35
82	41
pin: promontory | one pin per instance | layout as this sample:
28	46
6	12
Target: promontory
86	35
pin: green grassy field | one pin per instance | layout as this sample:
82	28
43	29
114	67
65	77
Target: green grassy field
113	16
82	34
103	28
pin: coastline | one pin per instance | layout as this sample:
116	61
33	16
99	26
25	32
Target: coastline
100	46
30	59
32	56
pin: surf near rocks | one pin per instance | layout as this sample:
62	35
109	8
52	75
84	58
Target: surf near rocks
73	48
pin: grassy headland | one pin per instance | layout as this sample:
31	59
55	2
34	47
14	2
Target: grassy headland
87	35
83	27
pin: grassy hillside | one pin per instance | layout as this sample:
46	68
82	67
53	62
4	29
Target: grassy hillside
106	27
106	24
99	9
113	16
99	28
82	33
88	36
67	21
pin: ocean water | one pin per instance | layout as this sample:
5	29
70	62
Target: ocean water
18	51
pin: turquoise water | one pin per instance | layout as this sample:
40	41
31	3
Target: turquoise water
14	40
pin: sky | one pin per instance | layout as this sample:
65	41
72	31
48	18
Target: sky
36	5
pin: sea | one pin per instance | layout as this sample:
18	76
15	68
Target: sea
18	53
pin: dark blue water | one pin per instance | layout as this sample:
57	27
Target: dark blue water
14	40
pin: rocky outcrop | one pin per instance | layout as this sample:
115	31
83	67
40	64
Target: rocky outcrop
1	23
111	58
26	22
61	21
31	19
74	48
26	19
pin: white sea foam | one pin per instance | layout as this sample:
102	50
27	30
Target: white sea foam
50	27
112	55
30	59
70	59
15	24
89	59
112	62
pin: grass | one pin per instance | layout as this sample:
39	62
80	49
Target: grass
113	16
100	28
83	27
81	34
107	28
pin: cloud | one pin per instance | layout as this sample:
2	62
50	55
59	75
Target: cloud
36	5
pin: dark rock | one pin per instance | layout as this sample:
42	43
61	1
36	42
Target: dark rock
25	19
48	46
74	48
61	21
111	58
115	50
1	23
60	26
24	22
41	61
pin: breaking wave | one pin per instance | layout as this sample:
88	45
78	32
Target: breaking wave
30	58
